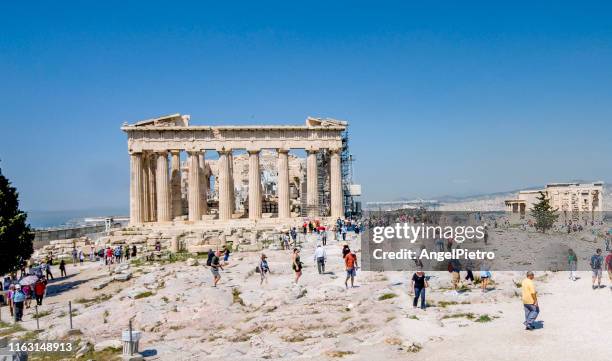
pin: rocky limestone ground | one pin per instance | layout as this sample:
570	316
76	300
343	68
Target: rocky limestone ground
183	317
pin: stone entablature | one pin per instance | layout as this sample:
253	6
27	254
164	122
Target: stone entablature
163	138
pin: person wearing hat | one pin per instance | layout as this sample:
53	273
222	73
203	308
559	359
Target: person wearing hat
319	257
264	268
18	301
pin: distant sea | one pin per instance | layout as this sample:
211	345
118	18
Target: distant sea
51	219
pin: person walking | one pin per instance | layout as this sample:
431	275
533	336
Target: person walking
320	256
296	264
572	261
9	297
101	257
74	256
62	268
454	267
485	277
47	268
126	251
263	269
81	257
324	237
469	267
608	265
19	299
27	290
419	284
109	255
117	254
39	290
293	234
530	301
215	265
439	243
350	263
209	258
596	266
226	254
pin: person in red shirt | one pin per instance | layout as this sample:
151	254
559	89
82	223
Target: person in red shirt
39	290
608	265
109	255
350	262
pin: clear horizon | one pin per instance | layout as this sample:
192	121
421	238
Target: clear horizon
446	99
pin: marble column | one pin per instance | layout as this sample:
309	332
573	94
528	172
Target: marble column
163	188
337	207
312	188
203	183
136	195
146	214
231	179
152	194
224	181
254	185
282	184
175	184
194	187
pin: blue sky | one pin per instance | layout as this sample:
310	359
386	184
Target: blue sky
442	99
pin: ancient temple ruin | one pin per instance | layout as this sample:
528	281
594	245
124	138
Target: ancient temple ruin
574	201
234	187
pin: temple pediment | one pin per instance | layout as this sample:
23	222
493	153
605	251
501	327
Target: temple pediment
325	122
171	120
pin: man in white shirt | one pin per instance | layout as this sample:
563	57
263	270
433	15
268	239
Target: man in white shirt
320	256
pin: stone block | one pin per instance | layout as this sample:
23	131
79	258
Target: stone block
122	277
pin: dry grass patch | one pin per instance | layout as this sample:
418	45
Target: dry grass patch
239	338
468	315
338	354
394	341
94	300
295	338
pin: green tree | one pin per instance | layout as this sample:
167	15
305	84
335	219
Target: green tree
544	214
15	234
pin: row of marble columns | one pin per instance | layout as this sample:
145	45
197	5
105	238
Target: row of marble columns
155	186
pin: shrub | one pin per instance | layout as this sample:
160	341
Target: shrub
483	318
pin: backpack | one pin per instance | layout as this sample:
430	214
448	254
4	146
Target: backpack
19	296
596	262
